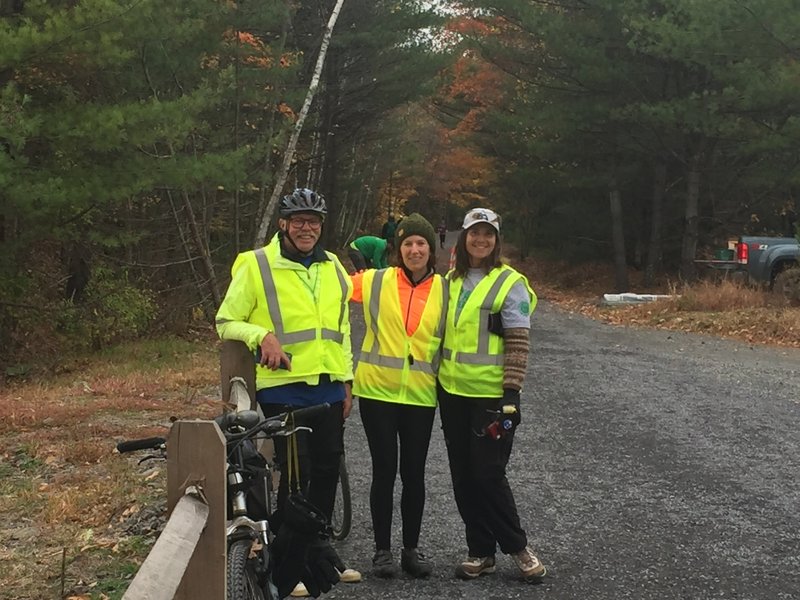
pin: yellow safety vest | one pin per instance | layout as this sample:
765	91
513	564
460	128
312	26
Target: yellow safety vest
305	308
472	356
394	366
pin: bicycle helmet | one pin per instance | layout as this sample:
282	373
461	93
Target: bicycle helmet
302	200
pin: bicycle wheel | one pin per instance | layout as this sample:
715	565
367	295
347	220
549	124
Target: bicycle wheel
342	518
243	572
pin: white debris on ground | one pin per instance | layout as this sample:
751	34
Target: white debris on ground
631	298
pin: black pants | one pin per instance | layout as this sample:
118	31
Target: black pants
360	262
319	453
385	423
478	469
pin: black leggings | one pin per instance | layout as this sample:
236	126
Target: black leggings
384	424
478	469
319	453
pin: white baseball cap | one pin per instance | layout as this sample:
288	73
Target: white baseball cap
481	215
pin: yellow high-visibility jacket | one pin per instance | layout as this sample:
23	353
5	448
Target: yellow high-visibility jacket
394	366
306	309
472	356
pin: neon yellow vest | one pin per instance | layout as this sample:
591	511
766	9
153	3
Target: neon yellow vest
306	311
472	356
394	366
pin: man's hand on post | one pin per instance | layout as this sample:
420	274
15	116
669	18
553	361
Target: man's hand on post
272	355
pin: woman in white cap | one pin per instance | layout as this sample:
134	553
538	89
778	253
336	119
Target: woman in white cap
484	360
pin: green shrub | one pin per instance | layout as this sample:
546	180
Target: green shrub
113	309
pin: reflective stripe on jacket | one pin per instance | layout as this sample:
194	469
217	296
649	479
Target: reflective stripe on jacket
394	366
472	356
307	309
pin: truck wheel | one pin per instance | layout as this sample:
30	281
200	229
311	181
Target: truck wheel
787	285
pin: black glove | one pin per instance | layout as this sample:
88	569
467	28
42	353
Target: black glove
511	397
323	567
301	550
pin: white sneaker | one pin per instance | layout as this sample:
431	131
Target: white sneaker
300	591
350	576
531	567
475	566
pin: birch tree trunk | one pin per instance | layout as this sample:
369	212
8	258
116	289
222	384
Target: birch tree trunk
298	127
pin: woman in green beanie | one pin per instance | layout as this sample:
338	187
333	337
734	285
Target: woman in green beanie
395	382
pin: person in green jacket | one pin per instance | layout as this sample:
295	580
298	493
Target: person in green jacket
369	252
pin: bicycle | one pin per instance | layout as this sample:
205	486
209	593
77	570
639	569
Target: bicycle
342	517
249	476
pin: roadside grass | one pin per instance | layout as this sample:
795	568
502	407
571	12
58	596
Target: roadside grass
63	488
721	296
723	308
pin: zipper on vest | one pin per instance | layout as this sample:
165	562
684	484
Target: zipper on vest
408	308
411	359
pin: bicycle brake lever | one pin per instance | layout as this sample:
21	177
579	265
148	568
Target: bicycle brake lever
293	431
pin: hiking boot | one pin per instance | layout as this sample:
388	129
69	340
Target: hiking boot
383	564
350	576
474	566
413	562
532	569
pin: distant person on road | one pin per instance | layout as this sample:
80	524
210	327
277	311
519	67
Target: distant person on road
395	384
484	359
369	252
289	302
389	228
442	231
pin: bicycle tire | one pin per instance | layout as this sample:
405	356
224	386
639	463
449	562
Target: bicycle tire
242	577
342	518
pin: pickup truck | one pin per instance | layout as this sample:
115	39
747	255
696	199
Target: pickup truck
772	262
760	260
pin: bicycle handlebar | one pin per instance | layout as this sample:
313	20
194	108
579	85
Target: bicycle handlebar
276	425
271	426
153	443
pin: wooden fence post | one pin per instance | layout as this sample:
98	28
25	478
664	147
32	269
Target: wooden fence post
196	457
236	360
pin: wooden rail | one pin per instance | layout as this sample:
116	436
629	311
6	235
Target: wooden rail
188	560
162	571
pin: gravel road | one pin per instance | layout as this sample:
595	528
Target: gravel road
649	465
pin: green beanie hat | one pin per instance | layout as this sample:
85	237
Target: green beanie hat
415	224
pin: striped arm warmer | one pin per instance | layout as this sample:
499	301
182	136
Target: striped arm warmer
517	346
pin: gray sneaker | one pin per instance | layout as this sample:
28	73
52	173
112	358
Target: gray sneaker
475	566
532	568
413	562
383	564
